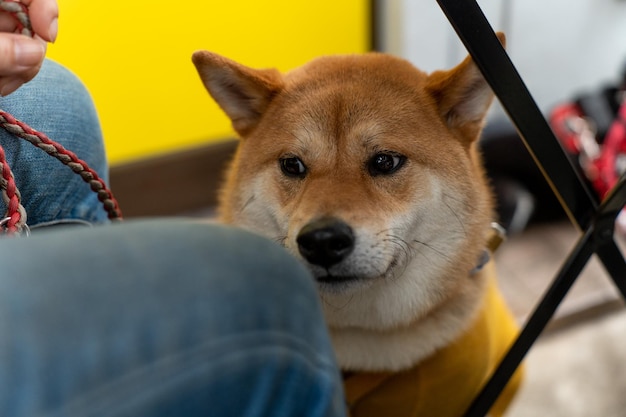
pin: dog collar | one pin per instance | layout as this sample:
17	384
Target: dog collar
497	234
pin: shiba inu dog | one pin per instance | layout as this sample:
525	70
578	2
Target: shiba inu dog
367	169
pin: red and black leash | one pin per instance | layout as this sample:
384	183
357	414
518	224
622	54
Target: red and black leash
14	220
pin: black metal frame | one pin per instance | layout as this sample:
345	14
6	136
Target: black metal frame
595	220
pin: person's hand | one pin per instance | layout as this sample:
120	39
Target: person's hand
21	56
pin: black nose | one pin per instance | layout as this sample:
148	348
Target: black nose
325	241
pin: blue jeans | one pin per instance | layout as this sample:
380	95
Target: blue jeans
57	104
162	317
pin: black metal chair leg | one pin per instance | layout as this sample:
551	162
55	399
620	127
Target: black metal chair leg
608	252
597	221
613	261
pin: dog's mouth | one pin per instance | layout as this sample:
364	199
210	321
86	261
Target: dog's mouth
338	284
337	279
342	282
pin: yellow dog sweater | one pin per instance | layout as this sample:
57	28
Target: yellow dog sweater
444	384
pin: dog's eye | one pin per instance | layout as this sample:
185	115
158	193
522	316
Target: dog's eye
293	167
385	163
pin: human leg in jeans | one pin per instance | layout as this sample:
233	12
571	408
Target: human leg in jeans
160	318
56	103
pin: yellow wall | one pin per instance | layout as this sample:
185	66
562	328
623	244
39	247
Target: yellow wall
134	57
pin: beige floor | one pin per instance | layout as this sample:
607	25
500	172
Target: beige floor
528	262
577	372
578	367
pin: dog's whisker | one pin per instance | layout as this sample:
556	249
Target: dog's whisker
247	203
280	240
456	216
431	247
337	307
404	246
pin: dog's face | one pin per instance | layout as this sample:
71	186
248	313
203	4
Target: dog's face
365	168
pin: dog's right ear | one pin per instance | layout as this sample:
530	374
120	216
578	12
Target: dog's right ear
462	96
243	93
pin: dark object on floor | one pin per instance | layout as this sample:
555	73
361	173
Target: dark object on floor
522	193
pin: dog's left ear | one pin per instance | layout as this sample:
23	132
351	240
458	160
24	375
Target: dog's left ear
243	93
463	96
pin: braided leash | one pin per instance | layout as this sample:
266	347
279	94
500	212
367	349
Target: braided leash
14	221
15	217
20	14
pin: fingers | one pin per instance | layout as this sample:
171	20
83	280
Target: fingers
44	15
20	56
21	60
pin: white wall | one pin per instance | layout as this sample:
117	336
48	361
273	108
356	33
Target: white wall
560	47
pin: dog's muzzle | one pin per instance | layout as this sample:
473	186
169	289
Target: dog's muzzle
325	241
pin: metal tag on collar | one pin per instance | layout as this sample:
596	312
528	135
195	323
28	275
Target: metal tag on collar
496	237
